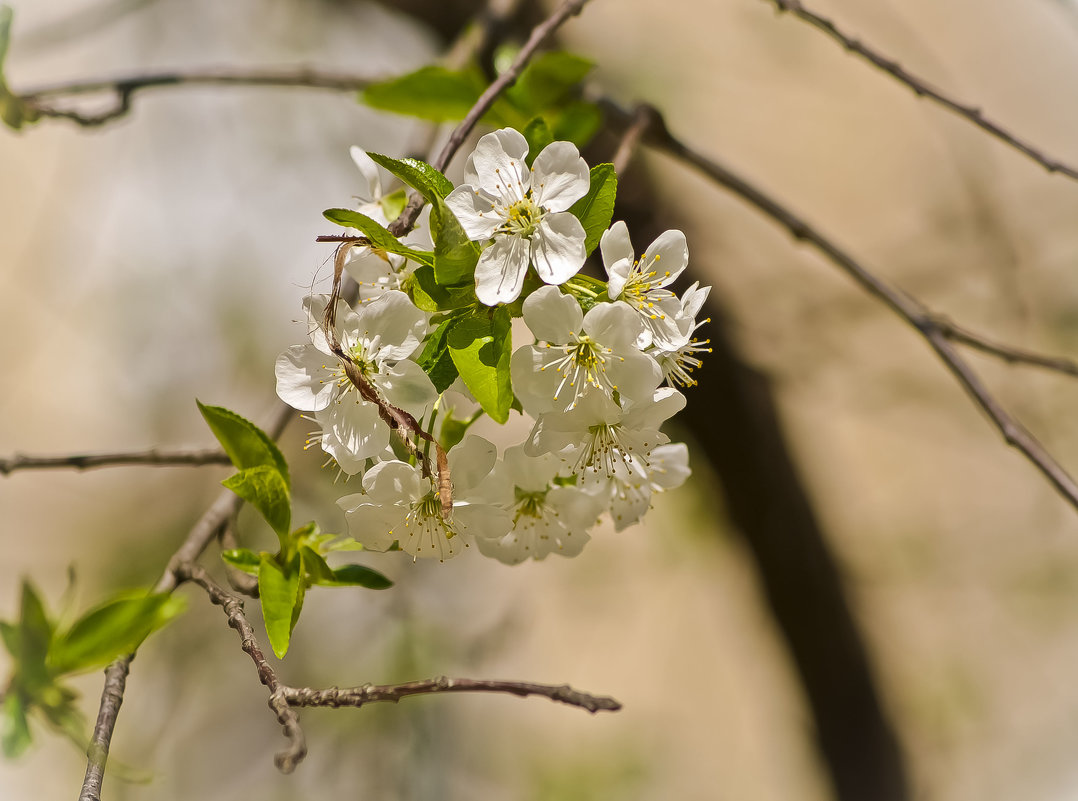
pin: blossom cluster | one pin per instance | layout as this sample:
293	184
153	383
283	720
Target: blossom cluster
431	342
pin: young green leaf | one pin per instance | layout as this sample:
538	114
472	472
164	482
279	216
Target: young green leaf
595	209
242	559
35	633
431	93
548	80
356	576
246	444
278	590
393	203
538	134
429	295
481	347
110	630
378	236
315	566
265	489
577	122
14	728
419	175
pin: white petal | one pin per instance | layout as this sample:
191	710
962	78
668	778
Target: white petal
304	381
668	466
482	521
533	385
630	502
352	432
615	325
618	257
665	403
393	482
551	315
693	299
497	164
406	386
558	247
474	212
530	473
370	524
398	325
560	176
372	190
469	463
636	376
667	256
499	275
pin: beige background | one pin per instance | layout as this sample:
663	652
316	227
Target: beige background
162	259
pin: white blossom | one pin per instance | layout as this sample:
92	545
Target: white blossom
579	353
523	211
641	283
677	363
379	338
548	517
400	504
629	490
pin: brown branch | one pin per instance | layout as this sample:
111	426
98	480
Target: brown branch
124	88
232	606
539	34
643	118
922	88
369	693
906	307
1007	353
87	461
112	696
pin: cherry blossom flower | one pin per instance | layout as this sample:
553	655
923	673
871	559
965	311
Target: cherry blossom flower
400	504
641	282
379	338
547	517
629	490
578	353
677	363
524	211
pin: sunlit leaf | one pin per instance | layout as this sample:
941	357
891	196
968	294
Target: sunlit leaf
265	489
278	590
246	444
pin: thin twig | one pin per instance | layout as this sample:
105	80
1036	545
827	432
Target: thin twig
643	118
922	88
87	461
1007	353
908	308
97	754
124	88
539	34
286	760
369	693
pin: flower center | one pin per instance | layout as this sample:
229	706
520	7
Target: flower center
583	365
522	217
677	366
604	449
643	286
529	504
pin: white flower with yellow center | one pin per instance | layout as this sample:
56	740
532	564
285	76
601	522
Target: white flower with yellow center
677	363
523	211
629	490
548	517
599	437
641	283
378	338
579	353
399	504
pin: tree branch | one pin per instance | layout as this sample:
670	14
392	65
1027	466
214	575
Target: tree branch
1011	355
905	306
922	88
112	696
87	461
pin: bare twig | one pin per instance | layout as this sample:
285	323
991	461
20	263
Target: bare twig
643	118
369	693
908	308
112	696
922	88
286	760
539	34
1011	355
87	461
124	88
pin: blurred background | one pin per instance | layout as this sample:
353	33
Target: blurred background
897	613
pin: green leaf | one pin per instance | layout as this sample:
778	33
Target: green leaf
595	209
393	204
315	566
481	347
452	432
242	559
548	79
577	122
379	236
357	576
265	489
9	635
246	444
35	633
455	255
436	360
429	295
112	629
342	544
14	728
419	175
538	134
278	590
431	93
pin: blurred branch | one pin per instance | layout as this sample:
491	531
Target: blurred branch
905	306
124	88
643	117
922	88
87	461
964	336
